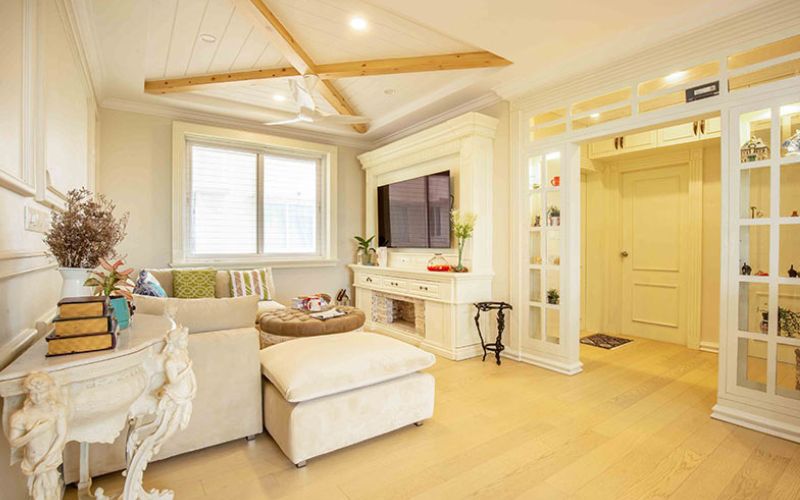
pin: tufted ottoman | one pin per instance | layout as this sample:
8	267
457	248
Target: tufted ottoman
279	325
324	393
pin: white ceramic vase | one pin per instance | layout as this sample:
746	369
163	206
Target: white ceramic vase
74	278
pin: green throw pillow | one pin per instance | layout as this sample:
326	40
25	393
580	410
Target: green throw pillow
194	283
252	282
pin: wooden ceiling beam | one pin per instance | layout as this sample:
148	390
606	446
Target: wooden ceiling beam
441	62
205	81
303	63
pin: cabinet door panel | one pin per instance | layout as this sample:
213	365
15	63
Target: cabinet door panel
602	148
677	134
642	140
713	127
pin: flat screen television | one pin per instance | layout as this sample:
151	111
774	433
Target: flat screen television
415	213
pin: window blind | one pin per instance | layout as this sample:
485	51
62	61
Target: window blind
292	188
223	201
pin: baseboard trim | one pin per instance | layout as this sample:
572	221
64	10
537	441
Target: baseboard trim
709	347
24	339
551	364
758	423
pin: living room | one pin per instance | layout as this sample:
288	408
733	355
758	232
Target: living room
359	249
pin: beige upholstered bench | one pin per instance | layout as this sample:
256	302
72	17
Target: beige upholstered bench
279	325
325	393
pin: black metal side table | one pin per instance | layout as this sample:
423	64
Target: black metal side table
497	346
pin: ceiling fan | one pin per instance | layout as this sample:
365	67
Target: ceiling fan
302	89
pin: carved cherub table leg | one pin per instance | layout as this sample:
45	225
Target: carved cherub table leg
173	411
37	433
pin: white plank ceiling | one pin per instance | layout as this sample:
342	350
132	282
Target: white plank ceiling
175	48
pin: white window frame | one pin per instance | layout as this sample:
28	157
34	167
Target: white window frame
184	134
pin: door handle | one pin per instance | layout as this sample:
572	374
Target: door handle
702	127
616	142
623	253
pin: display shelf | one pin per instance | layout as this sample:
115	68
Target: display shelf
789	160
754	279
749	165
760	221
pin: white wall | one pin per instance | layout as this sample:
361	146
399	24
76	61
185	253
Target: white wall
135	171
57	122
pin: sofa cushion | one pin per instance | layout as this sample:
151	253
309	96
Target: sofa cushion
203	315
147	284
164	277
313	367
250	282
194	283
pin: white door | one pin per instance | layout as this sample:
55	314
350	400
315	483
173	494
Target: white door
654	253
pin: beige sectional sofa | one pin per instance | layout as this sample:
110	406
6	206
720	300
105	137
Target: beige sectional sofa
224	347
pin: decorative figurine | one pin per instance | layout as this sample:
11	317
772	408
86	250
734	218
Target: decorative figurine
746	270
754	150
795	214
537	221
792	144
753	212
792	272
762	273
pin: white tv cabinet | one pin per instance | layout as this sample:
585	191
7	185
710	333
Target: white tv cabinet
432	310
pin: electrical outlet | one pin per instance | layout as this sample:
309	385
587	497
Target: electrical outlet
36	220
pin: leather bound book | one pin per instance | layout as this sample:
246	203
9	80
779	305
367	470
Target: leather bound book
83	307
68	327
58	346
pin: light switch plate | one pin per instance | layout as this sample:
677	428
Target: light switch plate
36	220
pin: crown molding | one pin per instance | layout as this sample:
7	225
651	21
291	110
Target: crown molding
484	101
432	142
707	43
79	14
204	118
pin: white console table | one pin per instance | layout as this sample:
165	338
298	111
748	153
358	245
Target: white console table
146	381
443	315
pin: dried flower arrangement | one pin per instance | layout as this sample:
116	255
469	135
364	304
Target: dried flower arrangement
86	231
111	281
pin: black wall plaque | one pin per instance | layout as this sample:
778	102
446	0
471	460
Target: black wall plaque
702	91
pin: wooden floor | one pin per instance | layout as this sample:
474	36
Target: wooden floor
634	424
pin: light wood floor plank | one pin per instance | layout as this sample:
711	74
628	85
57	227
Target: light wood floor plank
635	424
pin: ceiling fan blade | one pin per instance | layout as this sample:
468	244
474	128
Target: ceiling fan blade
342	119
296	119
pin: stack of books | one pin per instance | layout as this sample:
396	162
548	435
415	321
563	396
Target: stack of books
83	324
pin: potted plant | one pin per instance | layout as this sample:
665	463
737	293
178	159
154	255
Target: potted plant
552	296
463	227
554	215
115	283
85	232
365	250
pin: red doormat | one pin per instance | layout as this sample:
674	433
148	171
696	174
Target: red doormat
605	341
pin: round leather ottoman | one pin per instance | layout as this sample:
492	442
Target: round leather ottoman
280	325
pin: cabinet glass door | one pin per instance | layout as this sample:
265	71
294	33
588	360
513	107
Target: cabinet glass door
544	249
765	179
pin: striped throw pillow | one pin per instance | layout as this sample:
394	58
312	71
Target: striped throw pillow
252	282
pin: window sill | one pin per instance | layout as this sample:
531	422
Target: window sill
250	264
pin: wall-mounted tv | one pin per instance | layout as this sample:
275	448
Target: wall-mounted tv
415	213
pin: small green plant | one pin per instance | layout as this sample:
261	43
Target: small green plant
554	211
365	249
463	227
553	296
111	281
788	322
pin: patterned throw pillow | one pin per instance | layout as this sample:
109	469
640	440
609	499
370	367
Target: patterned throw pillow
147	284
194	283
252	282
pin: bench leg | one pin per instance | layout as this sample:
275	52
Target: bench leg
300	465
419	424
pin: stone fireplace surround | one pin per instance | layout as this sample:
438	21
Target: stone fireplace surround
398	311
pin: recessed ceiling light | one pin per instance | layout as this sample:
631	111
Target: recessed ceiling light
279	97
358	23
390	91
674	77
594	116
208	37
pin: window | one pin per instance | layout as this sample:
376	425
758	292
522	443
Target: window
245	198
232	213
